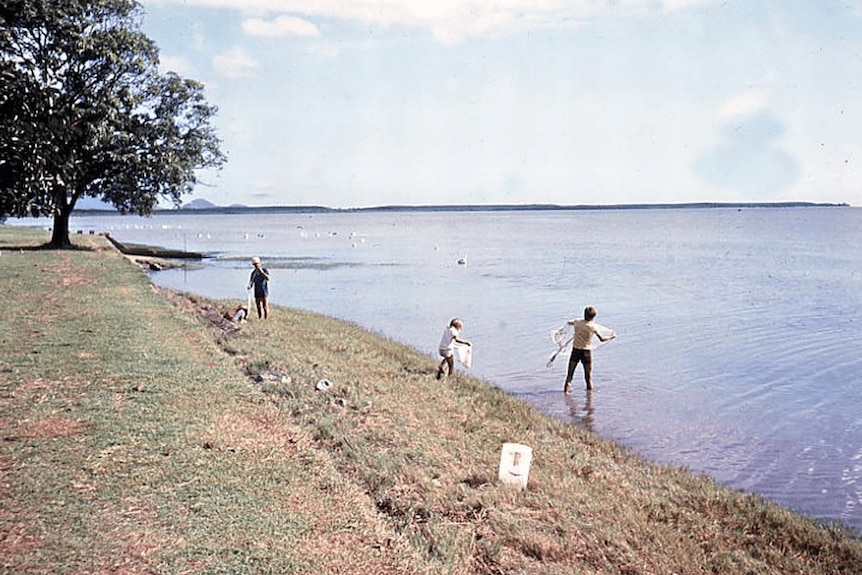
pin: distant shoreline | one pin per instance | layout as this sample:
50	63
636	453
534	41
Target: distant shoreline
472	208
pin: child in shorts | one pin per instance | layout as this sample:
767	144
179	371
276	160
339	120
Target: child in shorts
451	336
582	346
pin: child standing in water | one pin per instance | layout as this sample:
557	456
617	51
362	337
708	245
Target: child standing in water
582	346
451	336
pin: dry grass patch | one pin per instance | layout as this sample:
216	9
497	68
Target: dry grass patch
49	427
16	544
255	433
136	534
343	526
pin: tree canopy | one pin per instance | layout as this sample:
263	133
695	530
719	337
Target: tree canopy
86	112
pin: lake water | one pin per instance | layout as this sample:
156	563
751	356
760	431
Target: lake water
739	330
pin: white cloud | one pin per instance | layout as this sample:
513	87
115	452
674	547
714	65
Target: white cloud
747	103
235	63
448	20
284	25
683	4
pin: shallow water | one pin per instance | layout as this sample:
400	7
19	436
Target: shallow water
738	352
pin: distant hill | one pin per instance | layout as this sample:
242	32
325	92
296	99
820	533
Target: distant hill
204	206
93	204
199	204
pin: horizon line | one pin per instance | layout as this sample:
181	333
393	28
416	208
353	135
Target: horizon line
210	207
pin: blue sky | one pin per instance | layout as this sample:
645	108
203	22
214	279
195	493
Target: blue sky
350	103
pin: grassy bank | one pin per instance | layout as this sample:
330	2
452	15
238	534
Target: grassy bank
139	435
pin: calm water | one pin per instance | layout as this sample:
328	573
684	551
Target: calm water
739	331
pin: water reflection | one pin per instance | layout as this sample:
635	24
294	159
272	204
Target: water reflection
582	415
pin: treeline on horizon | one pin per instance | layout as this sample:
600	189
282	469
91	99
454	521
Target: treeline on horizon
239	209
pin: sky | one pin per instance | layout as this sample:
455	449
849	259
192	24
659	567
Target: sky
358	103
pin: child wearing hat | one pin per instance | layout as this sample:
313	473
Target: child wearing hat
259	279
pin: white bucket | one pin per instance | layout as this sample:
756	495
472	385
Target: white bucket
465	354
515	464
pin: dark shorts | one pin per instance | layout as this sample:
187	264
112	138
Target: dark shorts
582	355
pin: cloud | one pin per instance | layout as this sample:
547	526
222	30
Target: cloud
683	4
748	161
747	103
235	63
282	26
448	20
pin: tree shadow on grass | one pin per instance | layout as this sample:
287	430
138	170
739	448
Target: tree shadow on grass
46	247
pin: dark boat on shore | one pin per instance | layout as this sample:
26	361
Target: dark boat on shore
153	251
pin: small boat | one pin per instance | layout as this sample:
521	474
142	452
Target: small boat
152	251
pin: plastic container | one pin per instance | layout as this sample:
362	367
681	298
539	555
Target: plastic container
515	462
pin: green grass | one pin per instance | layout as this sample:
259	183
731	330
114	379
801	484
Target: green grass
136	436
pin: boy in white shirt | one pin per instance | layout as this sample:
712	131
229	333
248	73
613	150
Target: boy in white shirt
451	336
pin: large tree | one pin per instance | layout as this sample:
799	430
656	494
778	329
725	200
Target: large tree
85	111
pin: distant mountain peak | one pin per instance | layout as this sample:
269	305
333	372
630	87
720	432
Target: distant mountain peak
199	204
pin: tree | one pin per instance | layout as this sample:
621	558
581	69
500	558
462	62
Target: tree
84	111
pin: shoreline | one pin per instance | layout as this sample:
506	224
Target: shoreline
824	506
790	484
210	451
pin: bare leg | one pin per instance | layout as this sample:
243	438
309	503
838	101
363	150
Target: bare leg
588	374
446	362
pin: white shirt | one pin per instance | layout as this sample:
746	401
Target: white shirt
448	339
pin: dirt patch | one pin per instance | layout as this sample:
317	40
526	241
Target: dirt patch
16	544
133	529
40	384
70	274
70	280
37	384
50	427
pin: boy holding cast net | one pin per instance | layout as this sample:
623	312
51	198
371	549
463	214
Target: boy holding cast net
582	345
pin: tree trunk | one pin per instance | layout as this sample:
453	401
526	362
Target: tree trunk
60	235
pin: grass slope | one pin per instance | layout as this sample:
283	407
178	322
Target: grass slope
138	435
